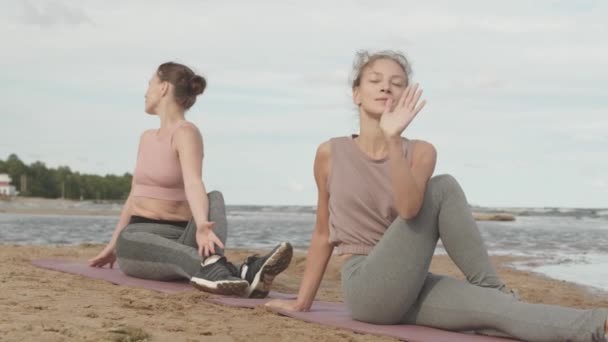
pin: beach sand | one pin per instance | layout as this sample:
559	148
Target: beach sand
43	305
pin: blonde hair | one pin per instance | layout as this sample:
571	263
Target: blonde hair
364	59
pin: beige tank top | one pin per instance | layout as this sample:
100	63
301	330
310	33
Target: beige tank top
361	198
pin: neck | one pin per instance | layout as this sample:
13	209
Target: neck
371	140
169	115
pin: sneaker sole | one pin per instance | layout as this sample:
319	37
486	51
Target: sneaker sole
227	287
276	263
490	332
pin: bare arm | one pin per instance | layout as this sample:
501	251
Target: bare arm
108	254
189	144
320	249
409	182
123	221
408	179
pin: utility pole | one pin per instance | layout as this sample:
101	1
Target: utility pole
23	183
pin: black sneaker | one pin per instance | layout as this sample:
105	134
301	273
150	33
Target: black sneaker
260	271
217	275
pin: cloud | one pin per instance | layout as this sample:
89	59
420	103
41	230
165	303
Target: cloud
601	184
295	186
53	13
515	91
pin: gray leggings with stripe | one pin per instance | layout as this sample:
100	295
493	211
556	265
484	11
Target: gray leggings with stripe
164	251
392	284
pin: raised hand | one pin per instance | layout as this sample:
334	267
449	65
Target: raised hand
394	123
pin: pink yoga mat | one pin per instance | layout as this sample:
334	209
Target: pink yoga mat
115	276
337	315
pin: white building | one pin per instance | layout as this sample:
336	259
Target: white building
6	188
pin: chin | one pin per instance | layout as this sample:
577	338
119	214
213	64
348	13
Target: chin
374	112
150	111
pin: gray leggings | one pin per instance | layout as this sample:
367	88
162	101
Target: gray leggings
164	251
392	284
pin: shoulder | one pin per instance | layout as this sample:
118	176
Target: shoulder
324	150
187	131
146	133
422	150
323	156
187	127
322	163
335	143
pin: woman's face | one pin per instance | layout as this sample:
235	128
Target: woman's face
156	90
382	80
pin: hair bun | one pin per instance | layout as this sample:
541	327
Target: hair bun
197	85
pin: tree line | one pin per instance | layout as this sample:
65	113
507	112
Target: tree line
37	180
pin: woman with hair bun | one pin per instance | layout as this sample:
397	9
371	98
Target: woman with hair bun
170	228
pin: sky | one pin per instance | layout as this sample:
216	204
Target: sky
517	90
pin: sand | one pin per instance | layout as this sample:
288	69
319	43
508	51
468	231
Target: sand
43	305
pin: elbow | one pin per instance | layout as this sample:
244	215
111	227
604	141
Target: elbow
192	188
320	239
408	212
192	184
320	236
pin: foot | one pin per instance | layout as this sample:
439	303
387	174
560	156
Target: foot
511	292
260	271
217	275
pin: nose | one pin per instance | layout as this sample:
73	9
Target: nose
385	88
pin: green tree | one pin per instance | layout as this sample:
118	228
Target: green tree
54	183
15	169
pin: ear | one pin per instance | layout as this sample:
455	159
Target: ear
164	88
357	96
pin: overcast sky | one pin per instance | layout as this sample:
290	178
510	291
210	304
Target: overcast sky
517	90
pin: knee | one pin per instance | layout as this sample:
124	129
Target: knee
443	182
217	207
216	197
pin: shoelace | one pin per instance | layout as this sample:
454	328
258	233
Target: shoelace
231	268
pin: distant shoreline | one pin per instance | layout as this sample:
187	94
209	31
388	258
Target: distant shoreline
80	212
47	206
60	212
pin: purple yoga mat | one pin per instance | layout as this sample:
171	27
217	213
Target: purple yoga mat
337	315
115	276
332	314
